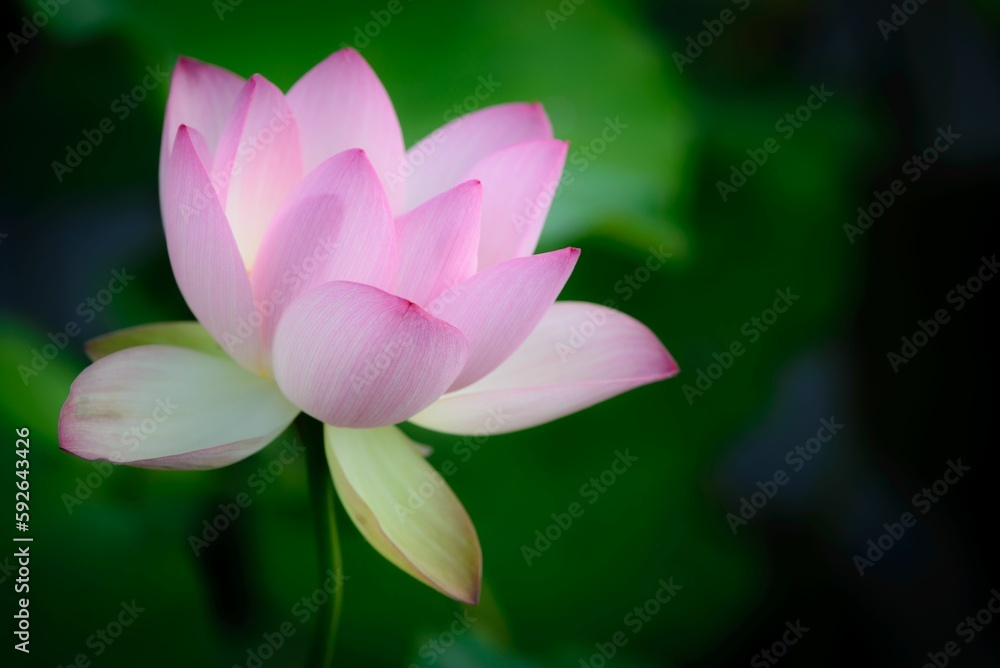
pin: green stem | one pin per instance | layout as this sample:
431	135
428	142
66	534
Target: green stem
321	493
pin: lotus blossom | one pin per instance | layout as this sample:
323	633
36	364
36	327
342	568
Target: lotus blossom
333	272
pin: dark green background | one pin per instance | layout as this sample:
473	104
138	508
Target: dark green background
654	185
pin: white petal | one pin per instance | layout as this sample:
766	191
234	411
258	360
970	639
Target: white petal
169	407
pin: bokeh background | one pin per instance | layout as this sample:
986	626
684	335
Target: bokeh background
685	123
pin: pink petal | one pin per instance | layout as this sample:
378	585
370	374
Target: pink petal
341	104
519	183
438	243
443	158
201	97
579	355
354	356
258	162
336	226
496	309
169	407
207	264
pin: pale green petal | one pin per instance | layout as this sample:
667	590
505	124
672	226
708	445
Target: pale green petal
405	509
181	334
171	407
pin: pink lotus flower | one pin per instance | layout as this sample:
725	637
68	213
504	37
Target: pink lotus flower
335	273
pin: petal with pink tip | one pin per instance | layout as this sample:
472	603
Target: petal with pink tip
443	158
206	262
341	104
336	226
201	97
438	243
519	183
354	356
579	355
258	162
169	407
496	309
375	472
